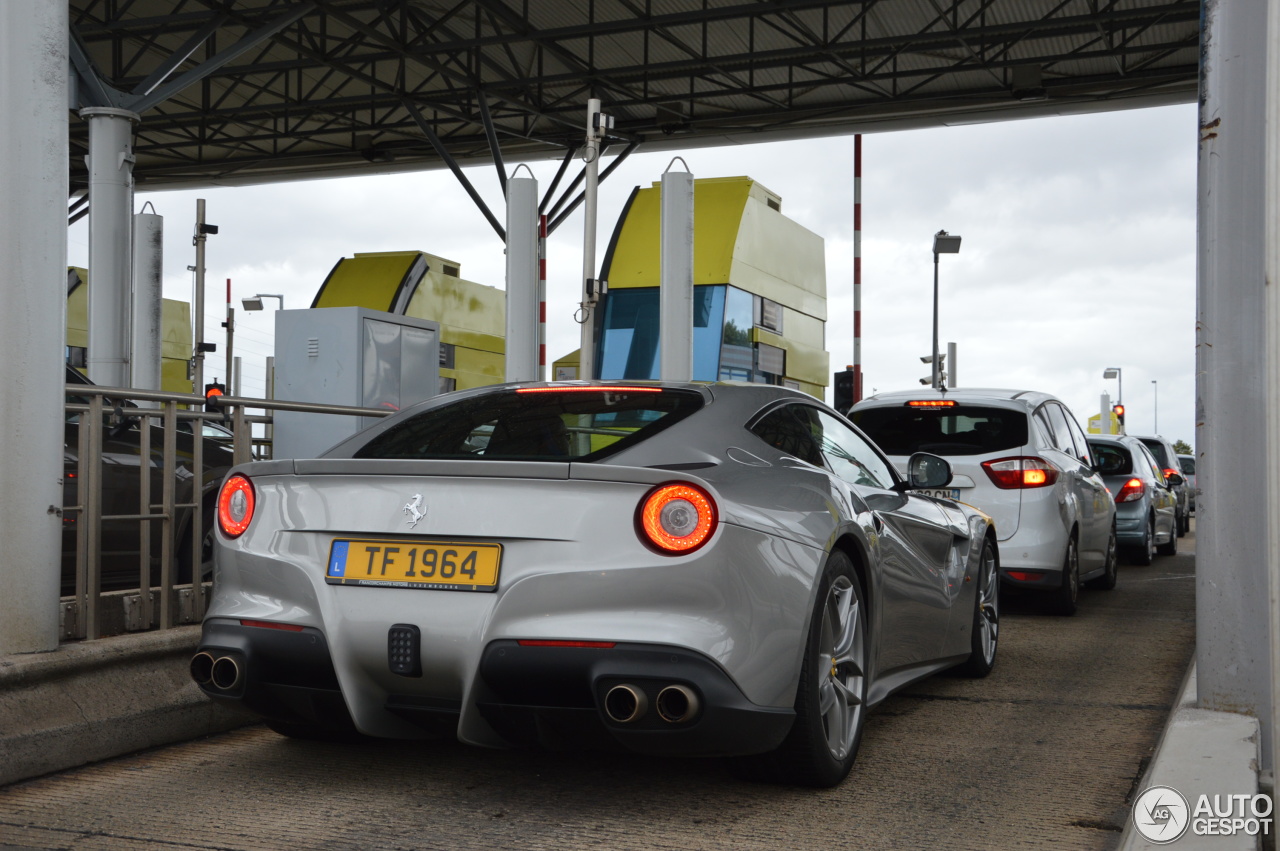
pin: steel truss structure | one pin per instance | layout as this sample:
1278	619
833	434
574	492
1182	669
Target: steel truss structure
254	91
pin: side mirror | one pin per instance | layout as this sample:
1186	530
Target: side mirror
925	470
1175	480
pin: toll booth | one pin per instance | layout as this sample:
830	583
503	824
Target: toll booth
471	316
760	291
175	327
348	356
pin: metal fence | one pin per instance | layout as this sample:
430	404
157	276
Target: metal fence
140	490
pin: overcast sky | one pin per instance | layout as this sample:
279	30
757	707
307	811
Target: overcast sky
1078	249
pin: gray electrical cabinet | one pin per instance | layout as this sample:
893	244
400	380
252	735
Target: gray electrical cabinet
348	356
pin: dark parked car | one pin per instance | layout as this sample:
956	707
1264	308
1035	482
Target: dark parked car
121	456
1167	457
1188	465
1146	506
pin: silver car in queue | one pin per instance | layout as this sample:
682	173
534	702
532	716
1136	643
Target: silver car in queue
1147	515
671	569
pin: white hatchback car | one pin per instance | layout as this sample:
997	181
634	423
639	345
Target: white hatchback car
1021	457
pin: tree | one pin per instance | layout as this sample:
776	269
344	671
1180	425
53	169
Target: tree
1182	447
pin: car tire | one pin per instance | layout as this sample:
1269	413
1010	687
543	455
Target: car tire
984	637
1184	524
1107	580
831	700
1066	598
1145	553
1171	548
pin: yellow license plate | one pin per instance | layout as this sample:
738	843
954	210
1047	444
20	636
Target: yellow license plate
439	565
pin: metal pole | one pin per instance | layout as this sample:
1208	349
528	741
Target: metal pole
522	279
110	242
590	292
268	430
1233	665
33	243
234	383
675	293
951	365
542	297
1155	407
198	240
230	325
935	383
857	267
148	301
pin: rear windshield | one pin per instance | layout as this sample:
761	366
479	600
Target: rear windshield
1157	449
1112	460
962	430
536	424
1188	465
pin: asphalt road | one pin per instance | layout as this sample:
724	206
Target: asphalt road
1044	753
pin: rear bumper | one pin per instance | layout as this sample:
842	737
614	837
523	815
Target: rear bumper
530	695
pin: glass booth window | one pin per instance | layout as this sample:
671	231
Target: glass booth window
629	343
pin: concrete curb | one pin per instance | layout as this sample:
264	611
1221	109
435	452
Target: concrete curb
1202	752
95	700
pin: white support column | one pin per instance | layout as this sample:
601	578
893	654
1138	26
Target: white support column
586	313
148	301
951	365
110	241
33	243
1272	261
675	295
522	279
1232	614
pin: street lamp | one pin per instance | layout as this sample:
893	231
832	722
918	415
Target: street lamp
255	302
1155	407
943	243
1114	372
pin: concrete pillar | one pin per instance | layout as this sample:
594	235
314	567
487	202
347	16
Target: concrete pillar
33	243
148	301
1232	615
110	241
1272	235
675	295
522	279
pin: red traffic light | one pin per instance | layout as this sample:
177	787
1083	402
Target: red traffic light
211	394
1118	410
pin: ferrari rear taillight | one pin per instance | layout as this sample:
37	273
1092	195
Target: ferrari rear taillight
1024	471
1132	490
678	518
235	506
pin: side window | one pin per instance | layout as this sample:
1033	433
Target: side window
1044	427
1082	444
1157	472
852	458
789	429
1061	431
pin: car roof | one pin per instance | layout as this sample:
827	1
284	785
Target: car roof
1022	398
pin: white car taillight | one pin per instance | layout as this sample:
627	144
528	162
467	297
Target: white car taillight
1023	471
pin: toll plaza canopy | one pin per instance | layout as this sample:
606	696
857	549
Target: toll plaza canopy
256	91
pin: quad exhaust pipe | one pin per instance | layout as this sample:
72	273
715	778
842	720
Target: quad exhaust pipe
675	704
625	703
223	673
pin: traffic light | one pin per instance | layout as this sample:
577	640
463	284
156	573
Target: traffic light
1118	410
842	390
211	394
